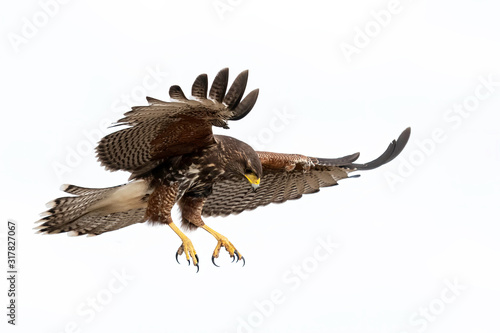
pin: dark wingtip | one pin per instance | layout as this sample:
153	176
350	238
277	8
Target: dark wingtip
246	105
341	161
219	86
236	91
392	151
200	86
176	92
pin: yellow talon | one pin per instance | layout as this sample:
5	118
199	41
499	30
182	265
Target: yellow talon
222	241
190	252
186	247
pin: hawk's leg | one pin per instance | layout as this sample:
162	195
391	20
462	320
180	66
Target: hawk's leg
160	204
191	209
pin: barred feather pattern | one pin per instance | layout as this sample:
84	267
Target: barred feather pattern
95	211
65	209
165	129
233	196
94	224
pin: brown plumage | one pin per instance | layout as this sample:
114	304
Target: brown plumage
173	157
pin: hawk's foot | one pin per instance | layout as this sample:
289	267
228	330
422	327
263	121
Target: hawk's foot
186	247
222	241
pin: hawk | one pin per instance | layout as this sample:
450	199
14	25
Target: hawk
174	158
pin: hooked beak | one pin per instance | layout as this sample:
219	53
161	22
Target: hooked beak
254	181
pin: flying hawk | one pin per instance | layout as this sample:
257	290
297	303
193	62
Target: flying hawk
174	158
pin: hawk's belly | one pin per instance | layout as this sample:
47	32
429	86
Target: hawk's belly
198	180
194	174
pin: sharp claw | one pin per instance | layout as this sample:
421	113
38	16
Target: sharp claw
243	258
234	257
197	260
213	262
189	263
177	257
198	268
237	255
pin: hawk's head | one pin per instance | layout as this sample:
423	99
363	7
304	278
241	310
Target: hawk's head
244	162
253	169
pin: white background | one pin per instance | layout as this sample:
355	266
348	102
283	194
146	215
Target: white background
401	243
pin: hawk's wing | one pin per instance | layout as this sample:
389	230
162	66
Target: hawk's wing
288	177
164	129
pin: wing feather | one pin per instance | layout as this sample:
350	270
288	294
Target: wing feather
164	129
288	177
176	93
154	101
235	93
246	105
200	86
219	86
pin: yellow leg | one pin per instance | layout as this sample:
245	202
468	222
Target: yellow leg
186	247
222	241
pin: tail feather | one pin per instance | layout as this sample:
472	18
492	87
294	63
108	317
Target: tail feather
69	208
95	211
78	190
94	224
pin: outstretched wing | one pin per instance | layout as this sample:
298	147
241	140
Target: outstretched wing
164	129
288	177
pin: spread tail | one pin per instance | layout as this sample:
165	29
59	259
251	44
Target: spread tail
93	211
